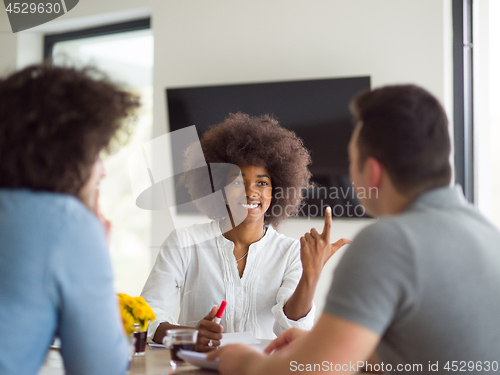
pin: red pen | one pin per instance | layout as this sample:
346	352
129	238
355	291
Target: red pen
218	316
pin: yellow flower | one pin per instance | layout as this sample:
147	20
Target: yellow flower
128	322
150	314
139	312
134	310
126	299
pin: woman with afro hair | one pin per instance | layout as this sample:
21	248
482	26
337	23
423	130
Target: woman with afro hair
267	279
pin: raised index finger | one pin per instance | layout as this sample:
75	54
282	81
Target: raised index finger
328	224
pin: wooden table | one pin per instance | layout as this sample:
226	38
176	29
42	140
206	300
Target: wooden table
154	362
157	362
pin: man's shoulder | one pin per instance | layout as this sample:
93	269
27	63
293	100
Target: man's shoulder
381	233
427	228
45	209
398	236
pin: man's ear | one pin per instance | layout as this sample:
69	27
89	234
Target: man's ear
374	172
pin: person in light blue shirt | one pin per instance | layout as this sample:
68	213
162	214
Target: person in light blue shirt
55	272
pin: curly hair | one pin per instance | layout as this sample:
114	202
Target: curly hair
260	141
54	121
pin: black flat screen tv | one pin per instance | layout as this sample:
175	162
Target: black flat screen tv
316	110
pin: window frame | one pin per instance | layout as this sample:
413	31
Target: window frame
50	40
463	98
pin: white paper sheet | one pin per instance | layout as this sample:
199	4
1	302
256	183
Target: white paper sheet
227	338
238	338
198	359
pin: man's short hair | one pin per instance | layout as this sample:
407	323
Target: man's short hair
405	128
53	123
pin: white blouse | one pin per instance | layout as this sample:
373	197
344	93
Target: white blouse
198	263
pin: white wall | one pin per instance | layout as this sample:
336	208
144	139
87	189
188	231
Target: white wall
201	42
218	42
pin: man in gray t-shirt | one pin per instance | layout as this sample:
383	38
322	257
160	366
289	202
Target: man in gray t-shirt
420	287
428	282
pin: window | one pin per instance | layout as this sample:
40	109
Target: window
462	93
493	115
477	122
125	53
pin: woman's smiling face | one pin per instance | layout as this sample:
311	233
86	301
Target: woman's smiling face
249	194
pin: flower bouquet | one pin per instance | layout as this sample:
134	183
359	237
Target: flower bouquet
136	314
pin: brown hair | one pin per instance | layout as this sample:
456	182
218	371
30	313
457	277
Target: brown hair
243	140
405	128
54	121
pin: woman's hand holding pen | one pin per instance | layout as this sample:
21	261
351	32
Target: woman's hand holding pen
209	332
